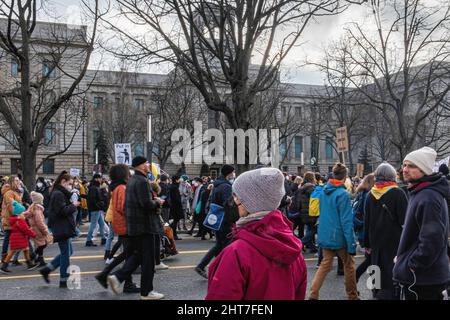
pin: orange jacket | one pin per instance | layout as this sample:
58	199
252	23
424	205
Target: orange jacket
9	195
119	219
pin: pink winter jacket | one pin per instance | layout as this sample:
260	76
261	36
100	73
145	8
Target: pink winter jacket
35	217
264	262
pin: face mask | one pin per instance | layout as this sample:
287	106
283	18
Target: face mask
39	185
231	180
69	188
21	190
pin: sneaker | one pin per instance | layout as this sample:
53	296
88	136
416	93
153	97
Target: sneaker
109	261
102	279
4	269
153	296
131	287
114	284
32	266
45	272
161	266
201	272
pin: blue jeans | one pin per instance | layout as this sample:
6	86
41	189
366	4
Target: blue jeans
308	240
63	259
109	241
96	217
77	230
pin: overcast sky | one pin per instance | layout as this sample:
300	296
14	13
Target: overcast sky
317	36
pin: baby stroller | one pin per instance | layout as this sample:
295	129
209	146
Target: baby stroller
168	247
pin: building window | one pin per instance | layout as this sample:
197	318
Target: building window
283	111
50	134
14	68
95	136
98	102
285	169
49	69
48	166
117	102
16	166
139	104
329	148
298	147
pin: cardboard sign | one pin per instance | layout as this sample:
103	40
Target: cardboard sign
123	153
74	172
342	139
360	169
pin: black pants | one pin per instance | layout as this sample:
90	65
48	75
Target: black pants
422	292
40	253
362	268
222	241
127	252
116	247
142	249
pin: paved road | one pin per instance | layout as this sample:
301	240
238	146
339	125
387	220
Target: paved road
179	282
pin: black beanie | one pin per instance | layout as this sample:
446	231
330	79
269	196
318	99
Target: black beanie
137	161
226	170
443	168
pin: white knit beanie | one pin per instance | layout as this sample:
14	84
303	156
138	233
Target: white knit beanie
260	190
424	159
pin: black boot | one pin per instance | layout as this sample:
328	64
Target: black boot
107	254
90	244
102	278
31	265
4	268
63	284
45	272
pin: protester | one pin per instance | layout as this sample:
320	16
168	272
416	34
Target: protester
165	195
422	265
43	188
264	262
60	220
119	175
186	197
97	206
176	206
385	214
335	234
36	219
142	226
10	192
196	203
221	193
359	217
19	239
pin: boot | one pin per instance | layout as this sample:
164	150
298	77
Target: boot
102	278
107	254
4	268
45	272
63	284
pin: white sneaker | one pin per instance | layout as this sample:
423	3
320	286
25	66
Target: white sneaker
114	284
109	261
161	266
153	296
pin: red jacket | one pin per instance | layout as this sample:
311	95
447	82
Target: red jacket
20	233
264	262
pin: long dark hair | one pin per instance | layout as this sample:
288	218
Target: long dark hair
64	175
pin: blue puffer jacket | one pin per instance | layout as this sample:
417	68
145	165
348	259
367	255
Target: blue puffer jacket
336	219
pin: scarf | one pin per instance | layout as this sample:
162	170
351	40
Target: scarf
251	217
413	185
381	188
336	183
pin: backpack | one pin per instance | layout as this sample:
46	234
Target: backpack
314	201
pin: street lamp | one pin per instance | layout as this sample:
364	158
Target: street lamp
83	119
149	139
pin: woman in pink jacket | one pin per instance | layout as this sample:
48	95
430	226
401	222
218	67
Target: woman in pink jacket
265	260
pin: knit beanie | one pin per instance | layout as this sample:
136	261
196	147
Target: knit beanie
226	170
37	198
18	208
137	161
424	159
260	190
443	168
185	177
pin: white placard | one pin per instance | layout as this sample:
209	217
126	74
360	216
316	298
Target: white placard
74	172
123	153
438	164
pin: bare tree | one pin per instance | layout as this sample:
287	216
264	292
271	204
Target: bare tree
213	42
401	68
51	61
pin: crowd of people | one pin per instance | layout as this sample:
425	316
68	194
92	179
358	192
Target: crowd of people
398	218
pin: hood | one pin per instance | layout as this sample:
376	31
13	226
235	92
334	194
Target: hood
221	180
330	188
272	237
13	220
440	185
6	188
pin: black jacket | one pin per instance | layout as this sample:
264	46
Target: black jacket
95	199
221	195
300	202
45	191
423	244
165	192
60	214
176	207
140	208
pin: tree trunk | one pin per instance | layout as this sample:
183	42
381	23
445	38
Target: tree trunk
28	155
